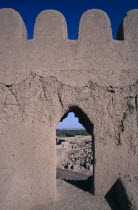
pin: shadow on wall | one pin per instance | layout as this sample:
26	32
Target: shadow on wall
117	197
85	185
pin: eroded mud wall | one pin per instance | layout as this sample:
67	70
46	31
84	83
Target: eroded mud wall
40	79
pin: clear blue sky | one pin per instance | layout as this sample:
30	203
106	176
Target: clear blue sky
72	10
70	122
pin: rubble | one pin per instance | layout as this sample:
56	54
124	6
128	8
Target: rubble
77	155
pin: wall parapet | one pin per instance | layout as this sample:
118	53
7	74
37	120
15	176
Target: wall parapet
94	56
94	25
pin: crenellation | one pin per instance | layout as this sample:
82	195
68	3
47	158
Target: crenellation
50	25
95	27
12	27
130	28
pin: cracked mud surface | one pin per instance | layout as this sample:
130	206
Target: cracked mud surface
30	112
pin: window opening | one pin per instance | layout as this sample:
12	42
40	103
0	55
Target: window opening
75	149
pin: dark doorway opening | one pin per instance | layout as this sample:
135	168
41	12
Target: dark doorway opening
76	152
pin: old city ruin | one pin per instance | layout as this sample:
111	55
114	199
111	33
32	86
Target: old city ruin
75	153
43	79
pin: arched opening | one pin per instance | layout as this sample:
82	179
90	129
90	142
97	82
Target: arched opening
76	151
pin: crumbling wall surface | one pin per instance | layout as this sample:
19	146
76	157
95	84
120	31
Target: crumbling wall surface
42	78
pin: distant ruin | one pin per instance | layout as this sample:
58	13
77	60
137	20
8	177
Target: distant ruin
75	153
46	77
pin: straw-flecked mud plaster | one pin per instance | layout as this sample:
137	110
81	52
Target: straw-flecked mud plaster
43	78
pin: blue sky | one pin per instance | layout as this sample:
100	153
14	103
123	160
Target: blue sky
70	122
72	10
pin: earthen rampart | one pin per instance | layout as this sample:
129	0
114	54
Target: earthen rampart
46	77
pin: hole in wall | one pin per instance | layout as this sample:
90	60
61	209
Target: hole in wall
117	197
75	149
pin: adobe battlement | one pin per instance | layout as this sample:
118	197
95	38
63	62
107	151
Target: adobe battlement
94	56
43	79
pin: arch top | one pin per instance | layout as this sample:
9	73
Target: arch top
51	25
128	29
95	26
12	27
82	116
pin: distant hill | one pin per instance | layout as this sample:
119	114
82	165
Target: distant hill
71	132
